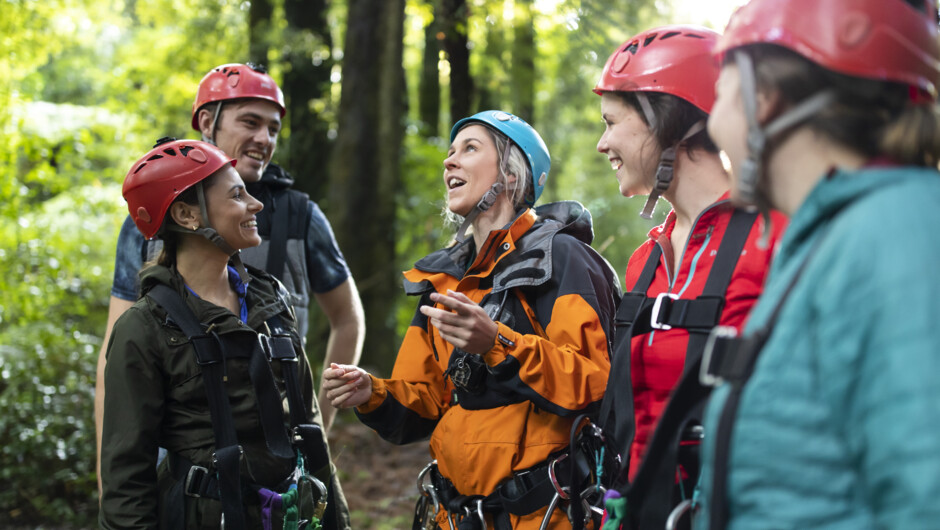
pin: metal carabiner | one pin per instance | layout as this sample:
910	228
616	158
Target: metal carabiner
321	504
424	472
551	509
591	508
676	514
480	514
563	492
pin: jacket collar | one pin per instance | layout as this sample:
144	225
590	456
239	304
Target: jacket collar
519	254
704	219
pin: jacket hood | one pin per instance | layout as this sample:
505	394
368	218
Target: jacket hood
839	189
530	263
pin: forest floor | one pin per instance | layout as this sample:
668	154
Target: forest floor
378	478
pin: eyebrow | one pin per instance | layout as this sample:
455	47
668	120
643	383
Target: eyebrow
467	140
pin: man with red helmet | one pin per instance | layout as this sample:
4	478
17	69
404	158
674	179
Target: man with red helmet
207	364
702	267
825	411
239	107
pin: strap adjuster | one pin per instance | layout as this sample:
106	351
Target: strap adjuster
706	375
196	481
657	308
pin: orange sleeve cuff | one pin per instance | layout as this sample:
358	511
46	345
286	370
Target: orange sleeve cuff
379	391
503	346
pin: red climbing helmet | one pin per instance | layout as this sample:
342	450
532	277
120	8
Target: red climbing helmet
236	81
673	59
889	40
169	169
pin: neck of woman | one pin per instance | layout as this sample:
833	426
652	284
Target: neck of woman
204	268
800	162
699	181
495	218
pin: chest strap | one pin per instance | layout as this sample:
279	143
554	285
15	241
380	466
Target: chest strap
277	251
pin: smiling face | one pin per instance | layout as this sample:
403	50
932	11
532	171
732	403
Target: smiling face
247	131
470	169
232	210
727	124
629	145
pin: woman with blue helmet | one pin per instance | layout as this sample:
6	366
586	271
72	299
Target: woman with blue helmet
509	343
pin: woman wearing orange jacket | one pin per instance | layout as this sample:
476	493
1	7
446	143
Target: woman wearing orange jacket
510	340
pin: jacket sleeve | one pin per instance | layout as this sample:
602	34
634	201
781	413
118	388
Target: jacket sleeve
406	407
133	410
566	371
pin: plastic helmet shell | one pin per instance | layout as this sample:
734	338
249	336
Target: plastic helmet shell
674	59
887	40
236	81
524	136
160	176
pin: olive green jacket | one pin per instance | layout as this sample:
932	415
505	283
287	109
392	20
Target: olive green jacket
155	397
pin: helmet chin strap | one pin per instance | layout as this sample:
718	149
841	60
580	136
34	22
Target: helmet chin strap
667	160
486	202
752	169
213	236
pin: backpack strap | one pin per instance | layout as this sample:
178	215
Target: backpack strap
209	357
277	250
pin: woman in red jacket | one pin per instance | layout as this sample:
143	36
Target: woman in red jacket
704	265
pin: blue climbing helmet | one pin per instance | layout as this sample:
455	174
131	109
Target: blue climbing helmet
524	136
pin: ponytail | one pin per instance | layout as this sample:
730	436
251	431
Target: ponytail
913	136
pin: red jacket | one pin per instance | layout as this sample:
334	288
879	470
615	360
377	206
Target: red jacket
658	357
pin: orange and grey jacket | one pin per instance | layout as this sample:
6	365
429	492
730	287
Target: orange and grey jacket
554	299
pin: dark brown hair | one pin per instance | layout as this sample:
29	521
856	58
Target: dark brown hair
674	116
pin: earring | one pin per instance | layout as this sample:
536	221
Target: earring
195	227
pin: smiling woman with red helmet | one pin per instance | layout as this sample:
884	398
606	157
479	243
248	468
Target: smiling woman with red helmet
204	362
826	408
702	267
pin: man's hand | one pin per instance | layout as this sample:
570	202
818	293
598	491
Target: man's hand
346	385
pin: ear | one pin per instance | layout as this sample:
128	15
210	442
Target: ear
769	105
204	119
185	215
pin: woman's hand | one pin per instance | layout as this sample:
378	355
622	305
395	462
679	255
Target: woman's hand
346	385
466	325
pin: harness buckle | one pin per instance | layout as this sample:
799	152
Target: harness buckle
705	375
196	479
657	308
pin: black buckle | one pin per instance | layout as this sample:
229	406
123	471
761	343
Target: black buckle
197	479
719	338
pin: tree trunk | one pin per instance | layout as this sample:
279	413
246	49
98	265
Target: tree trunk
365	177
429	92
259	26
523	61
308	63
454	23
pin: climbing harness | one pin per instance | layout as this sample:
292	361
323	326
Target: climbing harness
223	481
671	458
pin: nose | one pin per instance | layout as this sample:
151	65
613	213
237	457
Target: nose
263	136
451	161
254	205
602	143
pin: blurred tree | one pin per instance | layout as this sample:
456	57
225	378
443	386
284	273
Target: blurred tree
259	30
365	172
429	97
454	24
523	61
307	46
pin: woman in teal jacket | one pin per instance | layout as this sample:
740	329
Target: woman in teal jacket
829	409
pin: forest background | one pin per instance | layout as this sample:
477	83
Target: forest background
372	87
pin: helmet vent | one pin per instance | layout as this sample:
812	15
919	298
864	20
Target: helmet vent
154	157
670	35
185	149
170	152
649	39
632	47
694	36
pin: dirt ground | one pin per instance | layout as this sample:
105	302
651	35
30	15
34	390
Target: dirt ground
378	478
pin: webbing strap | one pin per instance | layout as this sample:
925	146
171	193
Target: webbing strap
228	452
653	486
746	352
277	250
280	348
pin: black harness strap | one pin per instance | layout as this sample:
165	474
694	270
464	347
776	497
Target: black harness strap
277	251
209	356
732	360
